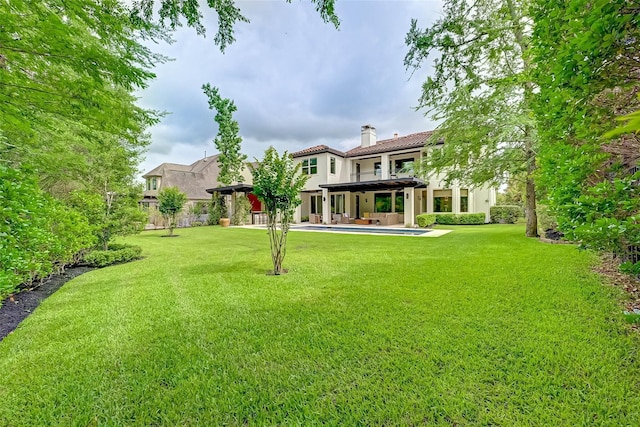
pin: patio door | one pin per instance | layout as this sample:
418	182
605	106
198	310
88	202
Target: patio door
357	206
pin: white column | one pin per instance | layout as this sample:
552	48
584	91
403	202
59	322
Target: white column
429	199
297	216
326	207
385	166
347	204
408	206
455	202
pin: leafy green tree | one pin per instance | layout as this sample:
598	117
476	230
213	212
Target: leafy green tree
277	182
228	142
586	56
170	203
482	92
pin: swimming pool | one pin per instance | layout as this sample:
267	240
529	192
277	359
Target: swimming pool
363	230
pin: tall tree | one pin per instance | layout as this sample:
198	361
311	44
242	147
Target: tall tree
228	142
482	93
277	182
588	72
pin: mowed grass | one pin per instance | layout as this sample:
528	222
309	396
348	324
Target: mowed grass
479	327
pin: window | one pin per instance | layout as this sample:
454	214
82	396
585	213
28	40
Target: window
442	201
464	200
310	166
332	162
377	168
403	165
382	202
337	203
400	202
152	183
316	204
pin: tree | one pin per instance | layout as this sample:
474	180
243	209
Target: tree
482	92
228	142
170	203
277	183
587	69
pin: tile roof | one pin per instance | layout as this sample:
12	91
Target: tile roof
414	140
318	149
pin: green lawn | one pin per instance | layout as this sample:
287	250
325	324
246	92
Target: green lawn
478	327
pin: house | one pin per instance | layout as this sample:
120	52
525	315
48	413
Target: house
374	183
195	181
190	179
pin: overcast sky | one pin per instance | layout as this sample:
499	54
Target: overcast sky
297	82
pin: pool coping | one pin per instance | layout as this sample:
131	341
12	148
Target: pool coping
322	228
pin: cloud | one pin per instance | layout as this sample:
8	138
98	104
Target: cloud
296	80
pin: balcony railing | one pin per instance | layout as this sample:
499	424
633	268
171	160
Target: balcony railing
377	175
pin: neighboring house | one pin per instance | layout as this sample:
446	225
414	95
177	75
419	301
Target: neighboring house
375	180
193	180
190	179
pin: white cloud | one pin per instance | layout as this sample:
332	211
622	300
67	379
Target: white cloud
297	81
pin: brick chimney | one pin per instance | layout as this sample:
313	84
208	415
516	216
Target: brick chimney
368	136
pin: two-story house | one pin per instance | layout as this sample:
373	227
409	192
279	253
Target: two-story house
377	178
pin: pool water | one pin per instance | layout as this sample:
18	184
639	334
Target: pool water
363	230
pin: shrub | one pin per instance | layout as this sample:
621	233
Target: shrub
460	219
505	213
38	234
197	224
426	220
116	254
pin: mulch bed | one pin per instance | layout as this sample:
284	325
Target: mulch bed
610	268
17	307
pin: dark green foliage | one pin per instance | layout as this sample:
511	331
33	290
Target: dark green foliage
426	220
228	142
505	213
587	72
170	203
460	219
38	235
277	182
218	209
116	254
241	209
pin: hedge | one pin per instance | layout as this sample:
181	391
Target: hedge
426	220
505	213
114	255
460	219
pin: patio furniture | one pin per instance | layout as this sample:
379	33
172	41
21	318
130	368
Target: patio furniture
347	220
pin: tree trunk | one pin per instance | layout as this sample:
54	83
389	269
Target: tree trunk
530	208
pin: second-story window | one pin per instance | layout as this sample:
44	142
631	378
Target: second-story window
154	183
332	165
310	166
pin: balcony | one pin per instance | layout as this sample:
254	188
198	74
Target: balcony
376	175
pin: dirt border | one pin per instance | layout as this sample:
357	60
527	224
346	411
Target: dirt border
17	307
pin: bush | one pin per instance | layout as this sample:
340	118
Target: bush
426	220
505	213
197	224
116	254
38	234
460	219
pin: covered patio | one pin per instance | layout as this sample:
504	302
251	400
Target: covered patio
381	202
